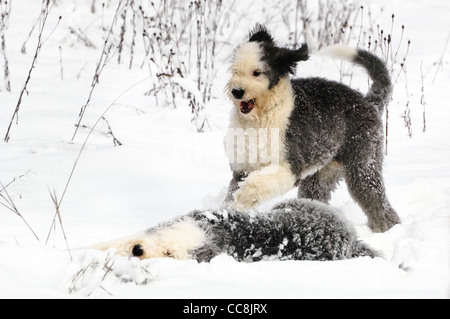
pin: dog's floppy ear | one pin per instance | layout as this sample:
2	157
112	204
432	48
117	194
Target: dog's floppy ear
301	54
291	57
260	34
286	59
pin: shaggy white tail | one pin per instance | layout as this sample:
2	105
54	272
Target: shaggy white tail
339	51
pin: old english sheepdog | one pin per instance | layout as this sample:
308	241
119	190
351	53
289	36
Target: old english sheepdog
305	132
298	229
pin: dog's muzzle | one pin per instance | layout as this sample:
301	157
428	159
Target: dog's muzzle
245	106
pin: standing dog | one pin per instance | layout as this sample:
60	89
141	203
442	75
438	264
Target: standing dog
320	130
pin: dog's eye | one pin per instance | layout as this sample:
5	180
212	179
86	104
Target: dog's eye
168	253
256	73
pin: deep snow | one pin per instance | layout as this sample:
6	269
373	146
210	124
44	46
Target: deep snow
165	168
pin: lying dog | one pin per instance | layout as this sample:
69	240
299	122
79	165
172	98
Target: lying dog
319	131
299	229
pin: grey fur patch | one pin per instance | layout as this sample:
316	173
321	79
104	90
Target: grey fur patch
332	123
299	229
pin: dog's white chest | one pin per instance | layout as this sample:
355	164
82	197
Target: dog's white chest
256	140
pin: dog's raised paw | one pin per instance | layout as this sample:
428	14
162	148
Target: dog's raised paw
246	198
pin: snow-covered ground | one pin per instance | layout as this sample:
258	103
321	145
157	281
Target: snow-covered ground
164	168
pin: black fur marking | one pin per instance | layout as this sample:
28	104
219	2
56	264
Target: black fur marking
281	60
260	34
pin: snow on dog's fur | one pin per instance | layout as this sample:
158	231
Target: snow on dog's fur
324	130
299	229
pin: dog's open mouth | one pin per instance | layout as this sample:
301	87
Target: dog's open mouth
247	106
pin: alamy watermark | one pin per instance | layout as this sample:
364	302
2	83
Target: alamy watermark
260	146
253	146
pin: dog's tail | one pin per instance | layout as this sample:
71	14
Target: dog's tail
380	92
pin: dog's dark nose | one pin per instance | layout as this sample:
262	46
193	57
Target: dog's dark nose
137	251
238	93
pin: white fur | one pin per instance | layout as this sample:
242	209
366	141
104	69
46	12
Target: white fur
123	245
339	51
271	114
263	184
309	171
175	241
272	111
247	58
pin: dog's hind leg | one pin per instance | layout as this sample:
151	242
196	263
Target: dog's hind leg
319	185
366	186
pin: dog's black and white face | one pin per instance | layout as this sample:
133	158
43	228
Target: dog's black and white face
257	68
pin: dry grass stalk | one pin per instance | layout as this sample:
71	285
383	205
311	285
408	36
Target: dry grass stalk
9	204
45	10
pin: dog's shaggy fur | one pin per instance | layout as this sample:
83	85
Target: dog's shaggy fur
299	229
326	130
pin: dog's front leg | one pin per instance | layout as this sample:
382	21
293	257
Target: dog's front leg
262	185
238	177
